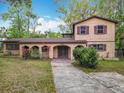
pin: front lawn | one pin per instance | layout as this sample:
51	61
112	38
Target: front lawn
104	66
30	76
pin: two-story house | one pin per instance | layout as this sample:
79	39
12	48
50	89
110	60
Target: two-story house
95	32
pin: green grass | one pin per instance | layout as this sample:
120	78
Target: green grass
30	76
104	66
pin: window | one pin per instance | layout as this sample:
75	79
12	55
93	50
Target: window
100	29
12	46
83	30
99	47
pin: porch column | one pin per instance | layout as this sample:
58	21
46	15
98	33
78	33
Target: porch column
20	51
71	57
40	51
4	48
51	52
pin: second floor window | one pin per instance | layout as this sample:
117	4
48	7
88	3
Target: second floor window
82	30
100	29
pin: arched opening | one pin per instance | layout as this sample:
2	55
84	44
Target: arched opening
62	52
45	52
79	46
25	52
35	52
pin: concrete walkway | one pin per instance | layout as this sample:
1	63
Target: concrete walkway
69	79
111	80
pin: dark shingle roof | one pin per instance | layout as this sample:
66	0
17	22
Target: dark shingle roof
45	40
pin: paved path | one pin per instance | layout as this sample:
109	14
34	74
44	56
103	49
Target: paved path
111	80
69	79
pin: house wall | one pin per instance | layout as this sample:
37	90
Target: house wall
110	36
8	52
52	49
92	38
55	51
110	49
55	54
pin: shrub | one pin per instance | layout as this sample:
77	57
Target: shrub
35	54
86	56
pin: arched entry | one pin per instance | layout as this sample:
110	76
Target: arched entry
35	52
79	46
61	52
25	52
45	52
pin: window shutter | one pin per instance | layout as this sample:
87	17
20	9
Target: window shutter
78	30
87	29
95	29
105	29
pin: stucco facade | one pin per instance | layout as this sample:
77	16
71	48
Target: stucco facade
108	38
53	50
65	46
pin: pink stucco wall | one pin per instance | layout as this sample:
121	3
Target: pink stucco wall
108	39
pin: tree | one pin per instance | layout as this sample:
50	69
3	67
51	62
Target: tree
50	34
34	23
80	9
64	29
3	32
16	2
20	14
113	9
75	10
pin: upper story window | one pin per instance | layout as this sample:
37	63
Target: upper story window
12	46
99	47
82	30
100	29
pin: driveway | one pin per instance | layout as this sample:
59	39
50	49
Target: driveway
69	79
111	80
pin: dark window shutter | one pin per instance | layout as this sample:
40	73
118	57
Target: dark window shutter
87	29
95	29
78	30
105	29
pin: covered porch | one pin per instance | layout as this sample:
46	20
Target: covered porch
52	51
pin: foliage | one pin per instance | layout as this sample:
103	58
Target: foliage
35	53
75	10
64	29
87	57
1	47
114	10
50	34
37	35
105	66
3	32
20	15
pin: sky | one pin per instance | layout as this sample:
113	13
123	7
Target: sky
46	10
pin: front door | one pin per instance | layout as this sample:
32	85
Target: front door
62	52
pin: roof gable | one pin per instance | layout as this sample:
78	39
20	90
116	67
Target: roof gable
78	22
106	19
